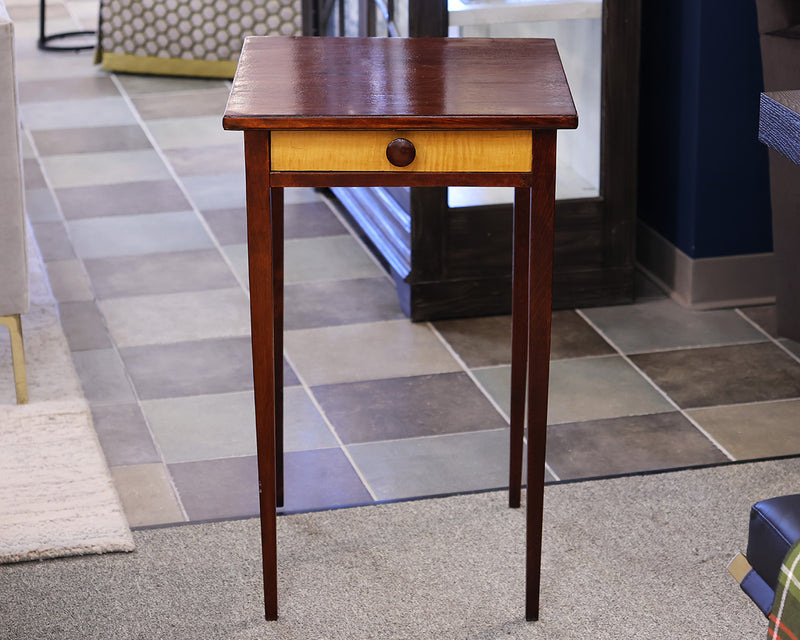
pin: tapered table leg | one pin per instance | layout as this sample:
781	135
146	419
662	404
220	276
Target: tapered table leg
263	323
519	342
277	269
540	283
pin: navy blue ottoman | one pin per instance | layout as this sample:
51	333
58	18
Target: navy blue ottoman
774	528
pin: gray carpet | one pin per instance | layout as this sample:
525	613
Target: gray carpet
639	557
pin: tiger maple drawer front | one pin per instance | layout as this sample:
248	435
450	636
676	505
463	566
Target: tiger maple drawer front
415	151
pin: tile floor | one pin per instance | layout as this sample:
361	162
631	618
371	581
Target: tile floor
136	196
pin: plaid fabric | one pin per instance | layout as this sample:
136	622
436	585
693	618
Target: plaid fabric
784	619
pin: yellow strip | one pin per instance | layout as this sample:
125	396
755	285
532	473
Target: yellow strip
456	151
169	66
14	324
739	567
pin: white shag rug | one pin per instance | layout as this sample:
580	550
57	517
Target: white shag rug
56	494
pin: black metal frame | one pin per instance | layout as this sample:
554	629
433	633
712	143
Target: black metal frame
44	40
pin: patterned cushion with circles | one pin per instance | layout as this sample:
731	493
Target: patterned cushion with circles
188	37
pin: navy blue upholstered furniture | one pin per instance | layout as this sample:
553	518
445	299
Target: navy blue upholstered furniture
774	528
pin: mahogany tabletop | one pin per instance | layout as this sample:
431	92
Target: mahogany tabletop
384	83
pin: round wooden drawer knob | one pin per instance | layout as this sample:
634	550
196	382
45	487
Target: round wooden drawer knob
401	152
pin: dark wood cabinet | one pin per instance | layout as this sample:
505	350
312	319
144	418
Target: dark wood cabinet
456	261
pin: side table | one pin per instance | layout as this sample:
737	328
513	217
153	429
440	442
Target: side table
322	112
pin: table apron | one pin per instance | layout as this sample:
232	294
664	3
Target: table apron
399	179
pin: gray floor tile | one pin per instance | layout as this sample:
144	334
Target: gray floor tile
605	387
305	220
40	205
757	430
136	235
318	304
791	345
585	389
68	114
103	377
356	352
300	195
109	167
123	434
486	342
328	258
177	317
198	161
237	256
190	368
192	131
121	199
55	142
765	317
214	489
26	31
216	191
627	445
481	342
407	408
83	326
146	494
68	281
203	427
497	382
23	12
414	467
724	375
137	85
289	376
202	101
321	479
56	67
572	337
229	226
32	175
662	324
53	241
159	273
304	427
310	220
27	145
59	89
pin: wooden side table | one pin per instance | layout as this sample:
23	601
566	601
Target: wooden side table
321	112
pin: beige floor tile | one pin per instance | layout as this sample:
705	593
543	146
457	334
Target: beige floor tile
757	430
177	317
367	352
147	495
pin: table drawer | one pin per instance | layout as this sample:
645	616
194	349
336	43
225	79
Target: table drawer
415	151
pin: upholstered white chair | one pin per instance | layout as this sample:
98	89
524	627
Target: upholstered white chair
13	255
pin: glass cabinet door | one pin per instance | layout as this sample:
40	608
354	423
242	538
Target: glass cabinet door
576	26
361	17
449	249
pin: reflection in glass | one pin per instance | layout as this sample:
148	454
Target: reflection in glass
576	26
